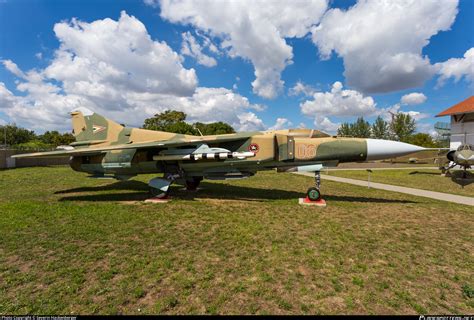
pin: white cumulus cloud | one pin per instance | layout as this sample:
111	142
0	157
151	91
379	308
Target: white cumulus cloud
280	123
190	47
381	42
388	112
252	30
108	56
7	98
301	88
427	128
413	98
338	102
13	68
249	122
457	68
325	124
116	69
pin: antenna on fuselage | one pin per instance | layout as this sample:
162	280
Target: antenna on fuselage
198	130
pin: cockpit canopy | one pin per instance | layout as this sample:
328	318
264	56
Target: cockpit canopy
465	147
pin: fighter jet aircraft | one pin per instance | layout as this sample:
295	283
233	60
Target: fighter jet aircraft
463	157
104	148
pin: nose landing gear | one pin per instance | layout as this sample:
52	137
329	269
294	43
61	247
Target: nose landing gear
313	195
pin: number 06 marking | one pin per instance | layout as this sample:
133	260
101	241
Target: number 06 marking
305	151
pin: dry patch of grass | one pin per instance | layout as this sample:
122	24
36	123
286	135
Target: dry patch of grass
74	245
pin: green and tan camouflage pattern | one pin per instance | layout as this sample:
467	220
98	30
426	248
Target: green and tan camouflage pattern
105	147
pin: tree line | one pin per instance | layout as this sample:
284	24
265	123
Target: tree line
21	138
174	121
169	121
401	128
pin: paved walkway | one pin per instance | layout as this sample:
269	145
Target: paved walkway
376	169
412	191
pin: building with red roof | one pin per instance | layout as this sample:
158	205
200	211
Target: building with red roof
462	122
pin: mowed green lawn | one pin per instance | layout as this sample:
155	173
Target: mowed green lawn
414	178
73	245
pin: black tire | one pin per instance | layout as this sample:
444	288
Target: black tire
313	194
192	183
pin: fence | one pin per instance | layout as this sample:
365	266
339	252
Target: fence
7	162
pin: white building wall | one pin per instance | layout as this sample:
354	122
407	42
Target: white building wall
462	132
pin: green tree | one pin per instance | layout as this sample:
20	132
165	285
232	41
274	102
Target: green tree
441	143
34	145
15	135
380	129
174	121
345	130
214	128
54	138
422	140
169	121
361	128
402	126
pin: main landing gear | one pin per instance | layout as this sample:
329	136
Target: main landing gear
192	183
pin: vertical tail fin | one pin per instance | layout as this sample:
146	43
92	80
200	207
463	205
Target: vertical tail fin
90	126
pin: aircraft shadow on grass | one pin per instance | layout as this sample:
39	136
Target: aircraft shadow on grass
209	190
456	176
425	173
462	180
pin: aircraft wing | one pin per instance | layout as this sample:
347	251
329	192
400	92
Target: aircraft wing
141	145
60	153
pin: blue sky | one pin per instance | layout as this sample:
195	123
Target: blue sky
251	71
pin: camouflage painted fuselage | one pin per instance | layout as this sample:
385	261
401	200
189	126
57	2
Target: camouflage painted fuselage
281	148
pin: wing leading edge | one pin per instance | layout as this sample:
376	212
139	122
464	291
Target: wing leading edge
142	145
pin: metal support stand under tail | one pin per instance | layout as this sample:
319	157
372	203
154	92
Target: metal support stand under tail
313	195
160	187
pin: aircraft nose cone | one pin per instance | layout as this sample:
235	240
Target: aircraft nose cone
378	149
464	157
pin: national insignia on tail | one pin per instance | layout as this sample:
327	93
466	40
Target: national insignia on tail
97	129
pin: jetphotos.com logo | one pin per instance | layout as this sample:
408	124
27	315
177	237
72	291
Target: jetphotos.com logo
97	129
422	317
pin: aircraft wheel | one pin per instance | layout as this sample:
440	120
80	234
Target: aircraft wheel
313	194
192	183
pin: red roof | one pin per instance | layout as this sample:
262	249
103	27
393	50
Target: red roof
465	106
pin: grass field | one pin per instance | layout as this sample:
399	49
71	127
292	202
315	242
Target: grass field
420	178
74	245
